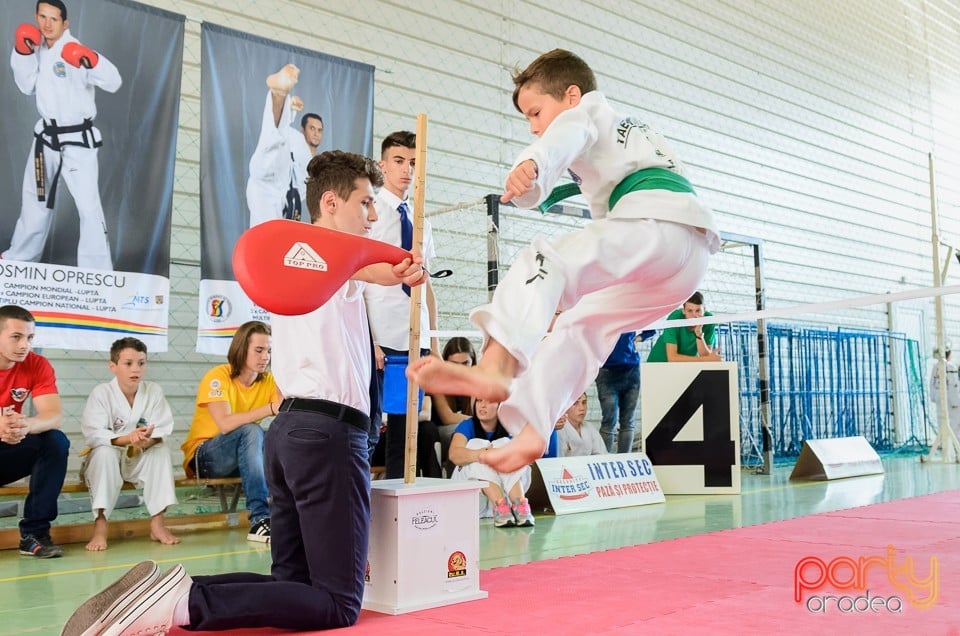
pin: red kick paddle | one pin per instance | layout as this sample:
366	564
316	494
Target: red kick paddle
291	268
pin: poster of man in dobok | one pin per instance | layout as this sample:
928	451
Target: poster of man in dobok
89	173
49	62
90	99
261	123
289	138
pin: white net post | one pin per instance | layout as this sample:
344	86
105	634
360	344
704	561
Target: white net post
946	442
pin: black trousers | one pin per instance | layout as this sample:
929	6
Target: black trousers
319	481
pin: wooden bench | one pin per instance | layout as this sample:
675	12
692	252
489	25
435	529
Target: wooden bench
221	485
226	517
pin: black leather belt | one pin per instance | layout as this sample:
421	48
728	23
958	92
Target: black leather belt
342	412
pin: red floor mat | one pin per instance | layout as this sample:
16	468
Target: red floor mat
730	582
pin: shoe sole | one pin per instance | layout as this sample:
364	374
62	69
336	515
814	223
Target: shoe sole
146	600
258	538
102	609
37	555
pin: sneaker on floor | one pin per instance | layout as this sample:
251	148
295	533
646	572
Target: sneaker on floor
260	531
503	515
40	547
521	510
102	609
151	613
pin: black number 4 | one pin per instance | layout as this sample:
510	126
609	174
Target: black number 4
716	452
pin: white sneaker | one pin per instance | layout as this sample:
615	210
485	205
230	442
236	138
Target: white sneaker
102	609
151	613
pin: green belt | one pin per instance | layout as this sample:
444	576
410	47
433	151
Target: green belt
646	179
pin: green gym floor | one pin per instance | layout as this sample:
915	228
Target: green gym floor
37	596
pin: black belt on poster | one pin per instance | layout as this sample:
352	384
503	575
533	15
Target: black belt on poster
50	136
342	412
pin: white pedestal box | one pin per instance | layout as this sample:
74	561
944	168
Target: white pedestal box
424	545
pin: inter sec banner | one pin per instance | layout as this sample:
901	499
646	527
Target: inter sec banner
267	108
86	169
594	482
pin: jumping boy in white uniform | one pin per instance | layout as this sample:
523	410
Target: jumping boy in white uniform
64	74
278	165
124	424
315	459
644	254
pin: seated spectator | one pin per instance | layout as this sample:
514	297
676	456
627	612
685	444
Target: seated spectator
687	344
449	410
577	438
31	446
225	438
124	424
470	441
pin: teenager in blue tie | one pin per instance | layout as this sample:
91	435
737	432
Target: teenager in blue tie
389	307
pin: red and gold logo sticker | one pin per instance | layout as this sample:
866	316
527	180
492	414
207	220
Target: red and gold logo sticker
456	565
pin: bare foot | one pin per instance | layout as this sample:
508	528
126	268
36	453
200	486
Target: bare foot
99	541
438	376
524	449
282	82
159	532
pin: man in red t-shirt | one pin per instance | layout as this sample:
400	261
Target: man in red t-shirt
31	446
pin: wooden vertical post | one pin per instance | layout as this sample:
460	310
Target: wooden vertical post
416	300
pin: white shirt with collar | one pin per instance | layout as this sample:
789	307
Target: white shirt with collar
325	354
387	305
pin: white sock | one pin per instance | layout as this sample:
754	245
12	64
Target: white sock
181	613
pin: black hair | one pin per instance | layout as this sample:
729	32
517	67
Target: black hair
306	118
402	138
54	3
126	343
15	312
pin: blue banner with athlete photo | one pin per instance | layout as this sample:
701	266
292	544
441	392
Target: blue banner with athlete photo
90	108
267	108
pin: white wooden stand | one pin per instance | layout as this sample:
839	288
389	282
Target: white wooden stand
424	545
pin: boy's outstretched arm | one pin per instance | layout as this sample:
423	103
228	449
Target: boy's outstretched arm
409	271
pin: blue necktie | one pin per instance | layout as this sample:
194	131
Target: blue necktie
406	233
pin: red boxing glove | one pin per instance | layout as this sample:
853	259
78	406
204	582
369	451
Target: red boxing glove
76	54
28	37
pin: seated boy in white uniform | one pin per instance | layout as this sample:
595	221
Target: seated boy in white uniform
577	438
124	425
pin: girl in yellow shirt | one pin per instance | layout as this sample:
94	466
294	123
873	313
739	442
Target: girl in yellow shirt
225	438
